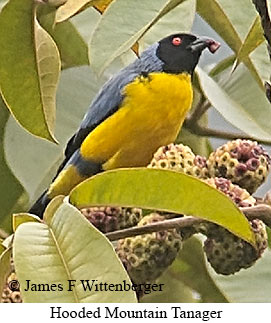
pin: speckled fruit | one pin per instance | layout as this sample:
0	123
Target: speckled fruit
145	257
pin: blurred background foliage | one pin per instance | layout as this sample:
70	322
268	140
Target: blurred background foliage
91	40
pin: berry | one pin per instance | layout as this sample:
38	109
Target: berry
244	162
181	159
8	295
227	253
108	219
145	257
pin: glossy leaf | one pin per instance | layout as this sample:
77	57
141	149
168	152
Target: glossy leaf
33	161
250	285
28	52
178	19
2	248
51	252
182	293
72	7
162	190
106	44
261	61
225	20
72	47
20	218
7	243
241	19
190	268
10	188
213	13
222	65
253	39
4	267
248	120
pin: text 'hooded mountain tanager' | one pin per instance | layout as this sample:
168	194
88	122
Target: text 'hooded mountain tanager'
139	109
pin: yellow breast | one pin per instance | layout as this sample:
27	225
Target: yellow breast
150	116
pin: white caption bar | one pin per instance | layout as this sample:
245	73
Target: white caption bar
144	312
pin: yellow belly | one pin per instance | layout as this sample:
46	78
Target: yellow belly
150	116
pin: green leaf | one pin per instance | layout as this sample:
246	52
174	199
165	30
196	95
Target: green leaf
2	248
69	9
213	13
3	3
261	61
67	247
253	39
7	243
224	18
86	22
222	65
241	19
251	121
182	293
250	285
72	47
30	54
107	42
20	218
73	7
190	268
4	268
162	190
10	188
178	19
34	161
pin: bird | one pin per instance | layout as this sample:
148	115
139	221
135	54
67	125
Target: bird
139	109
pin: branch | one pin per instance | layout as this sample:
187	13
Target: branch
261	211
183	222
207	132
202	106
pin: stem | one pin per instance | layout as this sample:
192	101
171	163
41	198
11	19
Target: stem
202	106
207	132
261	212
178	223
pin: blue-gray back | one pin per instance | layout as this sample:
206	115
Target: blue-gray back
109	98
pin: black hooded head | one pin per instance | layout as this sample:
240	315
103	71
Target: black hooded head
181	52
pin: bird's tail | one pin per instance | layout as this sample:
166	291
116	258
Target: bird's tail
39	206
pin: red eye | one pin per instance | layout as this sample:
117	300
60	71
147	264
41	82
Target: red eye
176	41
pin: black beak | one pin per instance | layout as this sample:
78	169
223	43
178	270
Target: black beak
203	42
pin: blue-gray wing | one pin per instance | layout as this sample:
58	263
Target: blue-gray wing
107	101
110	97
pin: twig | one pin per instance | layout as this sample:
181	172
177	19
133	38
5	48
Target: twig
261	211
182	222
207	132
202	106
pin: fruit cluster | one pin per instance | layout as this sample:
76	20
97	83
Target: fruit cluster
108	219
237	169
10	295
